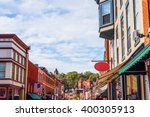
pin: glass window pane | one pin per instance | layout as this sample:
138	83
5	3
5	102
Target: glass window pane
136	6
128	17
106	8
106	19
2	67
2	74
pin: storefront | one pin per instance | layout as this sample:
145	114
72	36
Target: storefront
112	80
134	76
116	89
11	93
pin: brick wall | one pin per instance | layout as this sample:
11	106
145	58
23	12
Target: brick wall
146	19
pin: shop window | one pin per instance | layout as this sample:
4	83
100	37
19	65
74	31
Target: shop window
117	89
10	94
2	70
131	82
2	92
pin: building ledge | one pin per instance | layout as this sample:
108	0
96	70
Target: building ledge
107	32
11	82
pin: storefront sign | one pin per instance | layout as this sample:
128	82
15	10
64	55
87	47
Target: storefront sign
102	66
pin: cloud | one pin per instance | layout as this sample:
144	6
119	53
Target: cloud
61	33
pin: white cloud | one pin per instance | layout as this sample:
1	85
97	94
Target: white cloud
62	33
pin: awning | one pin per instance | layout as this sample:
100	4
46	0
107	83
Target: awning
105	93
31	96
140	56
110	74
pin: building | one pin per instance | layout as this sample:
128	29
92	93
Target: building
47	82
59	90
125	24
13	67
34	89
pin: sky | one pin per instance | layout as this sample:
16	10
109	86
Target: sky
62	34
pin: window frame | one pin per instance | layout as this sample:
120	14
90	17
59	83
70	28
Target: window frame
128	28
116	9
122	36
117	46
121	3
101	14
136	14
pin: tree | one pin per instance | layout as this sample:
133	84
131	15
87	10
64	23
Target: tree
71	79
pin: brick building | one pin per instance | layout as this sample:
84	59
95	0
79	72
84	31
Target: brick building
47	82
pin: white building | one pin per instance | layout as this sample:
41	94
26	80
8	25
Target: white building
13	67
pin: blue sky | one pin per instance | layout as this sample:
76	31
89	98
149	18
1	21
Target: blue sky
62	34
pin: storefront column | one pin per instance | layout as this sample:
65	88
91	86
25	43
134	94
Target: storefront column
122	77
138	87
111	91
146	87
142	87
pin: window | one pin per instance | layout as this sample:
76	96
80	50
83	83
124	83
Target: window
116	9
106	13
112	52
18	57
121	2
17	73
117	41
19	76
14	54
122	37
13	71
117	56
23	61
23	76
128	29
117	89
136	14
131	85
2	70
136	18
117	46
2	92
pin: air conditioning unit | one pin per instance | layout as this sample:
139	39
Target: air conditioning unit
135	34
